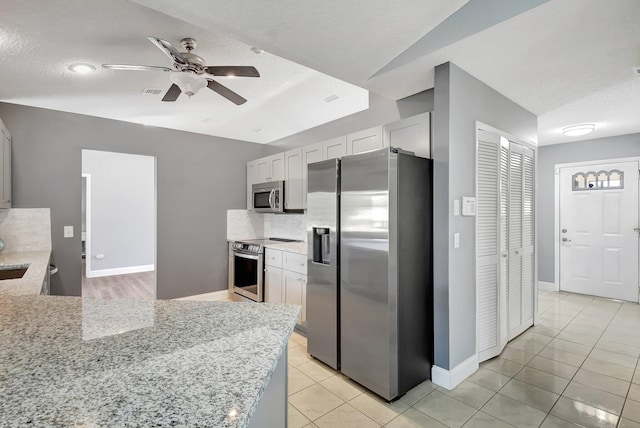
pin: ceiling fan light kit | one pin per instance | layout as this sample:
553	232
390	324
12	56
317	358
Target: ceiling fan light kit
189	83
190	72
578	130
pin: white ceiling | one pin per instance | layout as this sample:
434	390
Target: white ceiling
568	61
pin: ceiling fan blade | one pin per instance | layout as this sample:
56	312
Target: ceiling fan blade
172	94
135	67
168	49
233	70
225	92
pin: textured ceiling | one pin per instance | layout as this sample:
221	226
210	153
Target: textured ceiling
568	61
39	40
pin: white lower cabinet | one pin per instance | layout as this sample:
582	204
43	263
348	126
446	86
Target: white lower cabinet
286	279
274	291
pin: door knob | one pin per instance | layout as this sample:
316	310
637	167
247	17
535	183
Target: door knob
637	229
566	240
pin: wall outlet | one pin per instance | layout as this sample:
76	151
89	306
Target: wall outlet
68	231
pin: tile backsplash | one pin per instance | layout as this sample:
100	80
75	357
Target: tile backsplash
26	229
243	224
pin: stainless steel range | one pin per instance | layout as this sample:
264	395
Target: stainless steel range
246	269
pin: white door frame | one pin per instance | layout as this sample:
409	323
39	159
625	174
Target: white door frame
556	207
87	213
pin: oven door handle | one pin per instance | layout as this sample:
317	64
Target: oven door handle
251	256
271	194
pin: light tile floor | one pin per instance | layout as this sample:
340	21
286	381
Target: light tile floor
577	367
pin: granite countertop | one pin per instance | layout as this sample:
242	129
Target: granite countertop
292	247
68	361
31	282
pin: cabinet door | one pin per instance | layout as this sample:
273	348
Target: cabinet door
252	178
273	285
5	168
264	169
334	148
293	289
412	134
276	163
310	154
293	176
365	141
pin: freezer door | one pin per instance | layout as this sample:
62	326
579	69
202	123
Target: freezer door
322	261
368	290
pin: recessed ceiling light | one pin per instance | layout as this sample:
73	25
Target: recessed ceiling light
256	50
81	68
578	130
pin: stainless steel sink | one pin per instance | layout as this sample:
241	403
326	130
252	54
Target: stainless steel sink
13	271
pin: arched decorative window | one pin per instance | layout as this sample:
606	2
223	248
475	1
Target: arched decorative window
601	180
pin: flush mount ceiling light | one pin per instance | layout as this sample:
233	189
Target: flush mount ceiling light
578	130
189	83
81	68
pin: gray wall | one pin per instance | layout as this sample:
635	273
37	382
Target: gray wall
198	178
123	209
460	101
579	151
381	110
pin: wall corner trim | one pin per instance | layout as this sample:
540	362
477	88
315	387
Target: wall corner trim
548	286
449	379
120	271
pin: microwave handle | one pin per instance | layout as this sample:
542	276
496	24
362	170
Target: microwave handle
271	193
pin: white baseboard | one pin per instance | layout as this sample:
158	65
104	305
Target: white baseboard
216	295
120	271
547	286
449	379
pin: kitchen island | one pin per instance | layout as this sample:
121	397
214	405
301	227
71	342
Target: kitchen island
68	361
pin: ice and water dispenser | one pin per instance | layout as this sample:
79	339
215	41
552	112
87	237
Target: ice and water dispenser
321	252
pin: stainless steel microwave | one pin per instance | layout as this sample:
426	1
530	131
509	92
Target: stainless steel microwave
268	197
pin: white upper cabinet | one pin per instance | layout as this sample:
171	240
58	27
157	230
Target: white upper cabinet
365	141
334	148
252	178
276	163
412	134
310	154
293	189
5	167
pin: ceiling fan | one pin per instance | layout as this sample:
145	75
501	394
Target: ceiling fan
190	73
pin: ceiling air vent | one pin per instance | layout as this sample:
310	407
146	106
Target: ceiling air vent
152	91
330	98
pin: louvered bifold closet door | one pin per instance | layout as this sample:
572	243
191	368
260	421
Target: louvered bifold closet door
521	238
487	245
528	236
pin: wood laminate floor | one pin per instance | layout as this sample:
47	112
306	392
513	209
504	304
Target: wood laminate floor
137	286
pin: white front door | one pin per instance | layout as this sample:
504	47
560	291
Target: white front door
598	230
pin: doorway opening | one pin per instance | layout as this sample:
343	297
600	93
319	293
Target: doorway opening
118	225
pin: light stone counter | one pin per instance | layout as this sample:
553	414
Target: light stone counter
292	247
31	282
177	363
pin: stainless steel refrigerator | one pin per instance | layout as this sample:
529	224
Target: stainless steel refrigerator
370	286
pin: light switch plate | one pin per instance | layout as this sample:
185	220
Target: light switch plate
68	231
456	240
456	207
